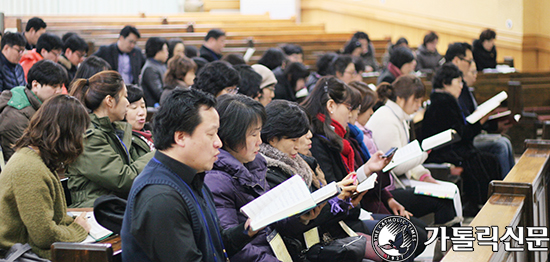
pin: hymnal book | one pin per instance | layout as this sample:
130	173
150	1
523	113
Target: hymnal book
285	200
413	149
97	232
500	115
367	184
485	108
441	190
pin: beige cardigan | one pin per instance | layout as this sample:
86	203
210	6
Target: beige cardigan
32	206
390	129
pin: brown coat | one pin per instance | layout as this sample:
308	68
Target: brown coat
17	106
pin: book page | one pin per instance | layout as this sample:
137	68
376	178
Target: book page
404	154
325	192
284	200
367	184
97	232
499	115
486	107
437	139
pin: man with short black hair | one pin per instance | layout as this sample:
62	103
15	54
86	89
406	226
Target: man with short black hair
294	53
461	55
171	215
18	105
49	46
74	52
214	42
34	29
11	72
217	78
124	56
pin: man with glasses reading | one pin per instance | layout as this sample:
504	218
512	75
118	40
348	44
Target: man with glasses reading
124	56
48	47
461	55
11	73
75	50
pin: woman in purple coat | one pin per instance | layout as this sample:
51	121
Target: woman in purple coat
239	174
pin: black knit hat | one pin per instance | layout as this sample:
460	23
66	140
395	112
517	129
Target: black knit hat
400	56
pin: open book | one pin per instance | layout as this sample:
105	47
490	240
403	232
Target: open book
486	107
441	190
97	232
285	200
413	149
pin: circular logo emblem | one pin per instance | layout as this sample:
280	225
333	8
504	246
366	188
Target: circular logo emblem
394	238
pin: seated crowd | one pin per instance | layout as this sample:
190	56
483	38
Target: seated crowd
223	134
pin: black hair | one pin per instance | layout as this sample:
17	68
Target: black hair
250	81
172	44
400	56
430	37
327	88
154	45
359	64
340	64
457	49
324	63
404	86
216	76
295	71
351	46
179	113
272	58
445	75
214	33
234	59
201	62
134	93
354	99
237	114
35	23
48	42
91	66
127	30
191	51
361	35
46	72
67	35
368	96
487	34
75	43
290	49
285	119
400	41
12	39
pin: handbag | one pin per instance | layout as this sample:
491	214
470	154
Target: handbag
350	249
22	253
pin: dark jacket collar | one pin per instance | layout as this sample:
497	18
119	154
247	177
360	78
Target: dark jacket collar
248	174
185	172
5	61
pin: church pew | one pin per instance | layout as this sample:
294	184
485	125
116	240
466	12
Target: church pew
521	199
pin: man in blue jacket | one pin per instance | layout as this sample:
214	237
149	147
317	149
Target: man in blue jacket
171	215
11	72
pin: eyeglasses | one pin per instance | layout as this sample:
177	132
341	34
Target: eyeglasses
348	106
464	59
353	73
231	90
19	50
271	87
80	54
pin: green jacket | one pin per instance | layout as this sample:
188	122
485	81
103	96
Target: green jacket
105	166
32	206
139	147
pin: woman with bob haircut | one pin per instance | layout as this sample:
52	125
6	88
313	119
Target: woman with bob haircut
180	73
136	116
33	208
106	166
239	174
443	113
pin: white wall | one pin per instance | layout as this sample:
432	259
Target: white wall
280	9
89	7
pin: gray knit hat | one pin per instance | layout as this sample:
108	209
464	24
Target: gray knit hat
268	78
